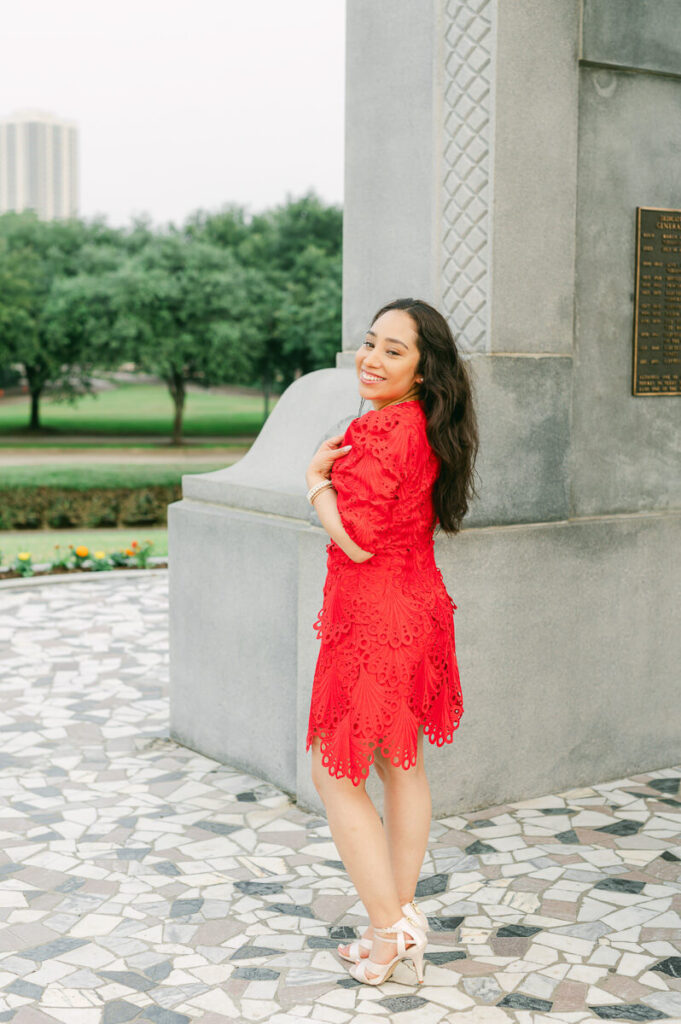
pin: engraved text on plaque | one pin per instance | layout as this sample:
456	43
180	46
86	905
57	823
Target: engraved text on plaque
657	302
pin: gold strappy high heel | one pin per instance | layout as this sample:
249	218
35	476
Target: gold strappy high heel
355	949
399	932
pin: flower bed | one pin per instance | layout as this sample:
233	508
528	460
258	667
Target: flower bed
81	559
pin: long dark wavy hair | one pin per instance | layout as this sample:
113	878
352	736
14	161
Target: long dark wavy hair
446	396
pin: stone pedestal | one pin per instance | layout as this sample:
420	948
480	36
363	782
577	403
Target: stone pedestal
495	156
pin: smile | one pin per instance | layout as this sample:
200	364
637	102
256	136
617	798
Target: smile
369	378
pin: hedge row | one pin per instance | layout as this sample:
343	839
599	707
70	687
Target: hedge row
44	508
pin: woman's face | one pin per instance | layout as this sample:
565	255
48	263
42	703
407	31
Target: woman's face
386	360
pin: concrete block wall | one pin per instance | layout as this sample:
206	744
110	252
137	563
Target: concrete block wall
495	156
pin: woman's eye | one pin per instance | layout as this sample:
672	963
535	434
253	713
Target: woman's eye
391	351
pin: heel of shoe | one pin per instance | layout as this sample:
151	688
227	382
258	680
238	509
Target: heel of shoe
416	951
417	960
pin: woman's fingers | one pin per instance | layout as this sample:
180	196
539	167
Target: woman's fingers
330	446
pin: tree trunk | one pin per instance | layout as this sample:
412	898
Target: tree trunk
35	410
36	382
177	392
266	393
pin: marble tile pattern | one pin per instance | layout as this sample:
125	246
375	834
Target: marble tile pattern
140	881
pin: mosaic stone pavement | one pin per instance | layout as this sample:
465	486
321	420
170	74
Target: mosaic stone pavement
142	882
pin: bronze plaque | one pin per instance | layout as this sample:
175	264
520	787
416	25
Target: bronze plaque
657	302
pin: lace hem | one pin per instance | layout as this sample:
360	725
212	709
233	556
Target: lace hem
340	768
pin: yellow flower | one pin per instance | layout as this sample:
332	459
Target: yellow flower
129	552
100	554
82	551
24	556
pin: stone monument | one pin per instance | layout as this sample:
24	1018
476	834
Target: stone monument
496	154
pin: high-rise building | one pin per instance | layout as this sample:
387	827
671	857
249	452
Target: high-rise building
38	164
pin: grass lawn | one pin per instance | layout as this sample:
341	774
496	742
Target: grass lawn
142	409
85	477
112	416
41	543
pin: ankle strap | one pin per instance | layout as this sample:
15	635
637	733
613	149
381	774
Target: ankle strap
394	929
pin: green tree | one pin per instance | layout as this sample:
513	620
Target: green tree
295	250
36	258
224	299
227	228
20	276
184	314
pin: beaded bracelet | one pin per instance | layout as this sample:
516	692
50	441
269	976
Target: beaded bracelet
314	491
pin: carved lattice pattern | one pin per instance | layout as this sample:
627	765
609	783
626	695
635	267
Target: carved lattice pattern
467	186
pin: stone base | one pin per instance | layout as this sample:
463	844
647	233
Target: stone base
567	636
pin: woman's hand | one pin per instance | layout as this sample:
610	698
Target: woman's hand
325	503
364	557
320	465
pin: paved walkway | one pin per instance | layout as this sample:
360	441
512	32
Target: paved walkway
141	881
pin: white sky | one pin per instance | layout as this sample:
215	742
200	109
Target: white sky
182	104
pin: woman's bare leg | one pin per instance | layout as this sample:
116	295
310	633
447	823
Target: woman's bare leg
398	847
407	811
360	839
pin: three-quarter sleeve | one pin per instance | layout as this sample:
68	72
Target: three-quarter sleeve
371	478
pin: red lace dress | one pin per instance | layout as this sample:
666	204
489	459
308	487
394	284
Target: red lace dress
387	660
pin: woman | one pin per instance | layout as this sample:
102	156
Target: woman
387	671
